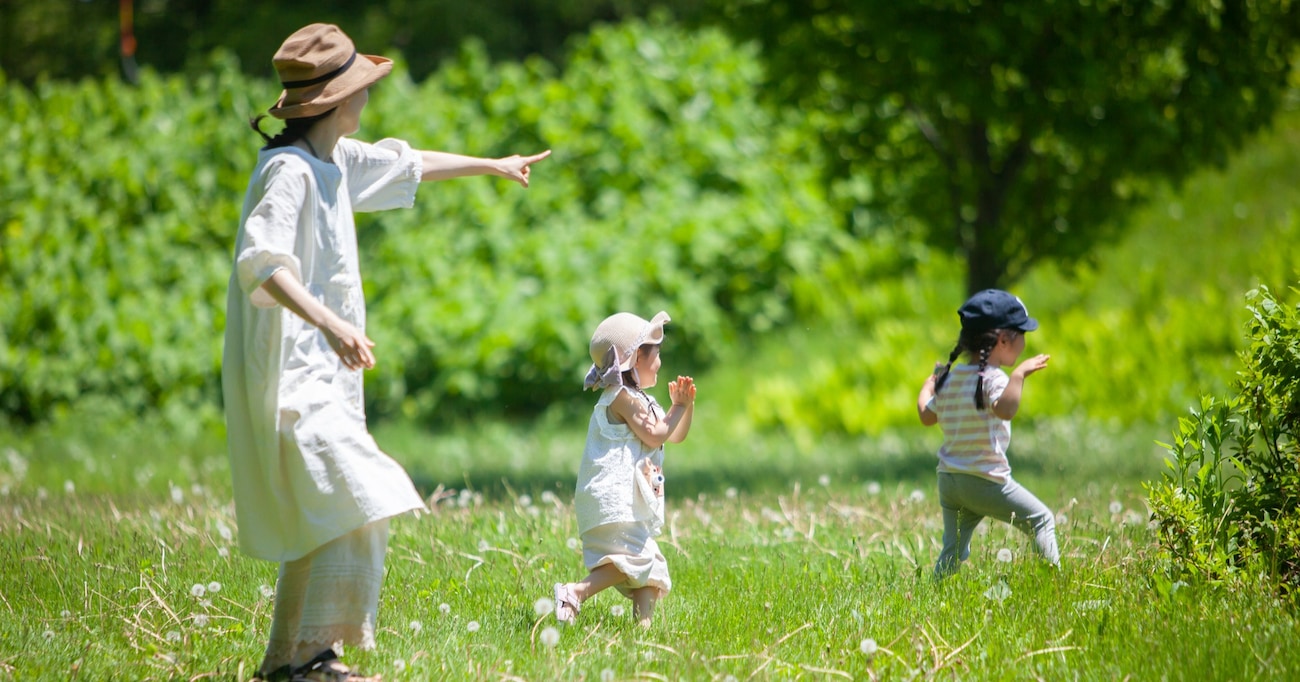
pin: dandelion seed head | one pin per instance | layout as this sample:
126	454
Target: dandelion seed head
548	497
543	607
42	493
205	603
198	591
873	488
824	480
917	496
607	675
483	546
266	591
616	610
1004	555
1116	507
868	647
69	488
416	626
65	614
445	608
525	500
472	626
732	493
550	637
173	636
178	495
200	620
223	552
224	531
399	665
214	587
571	543
48	635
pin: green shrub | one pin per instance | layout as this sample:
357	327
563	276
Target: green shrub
1228	507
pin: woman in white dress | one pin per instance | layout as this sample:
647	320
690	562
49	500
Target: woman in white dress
312	489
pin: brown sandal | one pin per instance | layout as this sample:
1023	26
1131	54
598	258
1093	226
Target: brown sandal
327	667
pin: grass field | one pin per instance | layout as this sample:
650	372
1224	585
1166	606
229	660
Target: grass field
786	565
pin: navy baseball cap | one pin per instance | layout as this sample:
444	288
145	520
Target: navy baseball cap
995	309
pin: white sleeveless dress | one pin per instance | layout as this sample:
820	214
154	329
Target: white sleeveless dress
619	511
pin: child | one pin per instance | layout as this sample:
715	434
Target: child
974	403
312	489
619	497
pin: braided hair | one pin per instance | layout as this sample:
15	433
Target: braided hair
294	129
978	344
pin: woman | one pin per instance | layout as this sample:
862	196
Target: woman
312	489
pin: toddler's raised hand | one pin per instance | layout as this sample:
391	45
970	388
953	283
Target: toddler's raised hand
1033	365
682	391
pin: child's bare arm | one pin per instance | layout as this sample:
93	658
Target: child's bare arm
927	416
682	393
1008	404
647	426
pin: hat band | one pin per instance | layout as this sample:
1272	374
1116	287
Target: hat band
290	85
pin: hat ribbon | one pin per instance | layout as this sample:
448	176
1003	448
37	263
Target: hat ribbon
609	377
290	85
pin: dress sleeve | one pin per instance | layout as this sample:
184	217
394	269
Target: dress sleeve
270	231
382	175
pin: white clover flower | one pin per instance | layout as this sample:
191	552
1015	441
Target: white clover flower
873	488
607	675
1116	507
399	665
266	591
472	626
543	607
198	591
868	647
200	620
416	626
173	636
445	608
550	637
69	488
525	500
616	610
824	480
1004	555
214	587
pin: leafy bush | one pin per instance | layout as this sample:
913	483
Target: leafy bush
1229	508
669	188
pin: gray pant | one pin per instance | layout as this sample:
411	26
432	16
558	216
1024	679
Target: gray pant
967	499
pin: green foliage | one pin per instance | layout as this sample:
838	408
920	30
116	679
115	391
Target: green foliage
1015	134
670	188
1231	502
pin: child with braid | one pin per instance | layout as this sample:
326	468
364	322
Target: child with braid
974	402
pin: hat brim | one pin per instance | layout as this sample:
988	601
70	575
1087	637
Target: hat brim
318	99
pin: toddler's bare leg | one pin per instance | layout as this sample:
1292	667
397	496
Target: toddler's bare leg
643	605
601	577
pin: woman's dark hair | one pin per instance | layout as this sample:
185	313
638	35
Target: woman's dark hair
294	129
978	344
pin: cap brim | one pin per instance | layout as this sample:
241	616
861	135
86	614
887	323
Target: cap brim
1030	325
320	99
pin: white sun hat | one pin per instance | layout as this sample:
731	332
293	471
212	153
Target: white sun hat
613	346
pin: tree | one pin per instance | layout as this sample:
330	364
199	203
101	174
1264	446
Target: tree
1017	132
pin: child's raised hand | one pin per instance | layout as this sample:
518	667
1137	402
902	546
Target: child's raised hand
1033	365
682	391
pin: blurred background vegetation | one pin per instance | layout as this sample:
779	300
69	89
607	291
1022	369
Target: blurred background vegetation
810	188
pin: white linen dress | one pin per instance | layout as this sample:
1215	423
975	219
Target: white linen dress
305	468
618	512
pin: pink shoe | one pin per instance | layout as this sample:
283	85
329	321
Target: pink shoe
567	605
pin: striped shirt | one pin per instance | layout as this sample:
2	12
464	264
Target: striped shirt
974	442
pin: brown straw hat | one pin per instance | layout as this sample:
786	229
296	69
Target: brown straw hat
624	333
319	68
